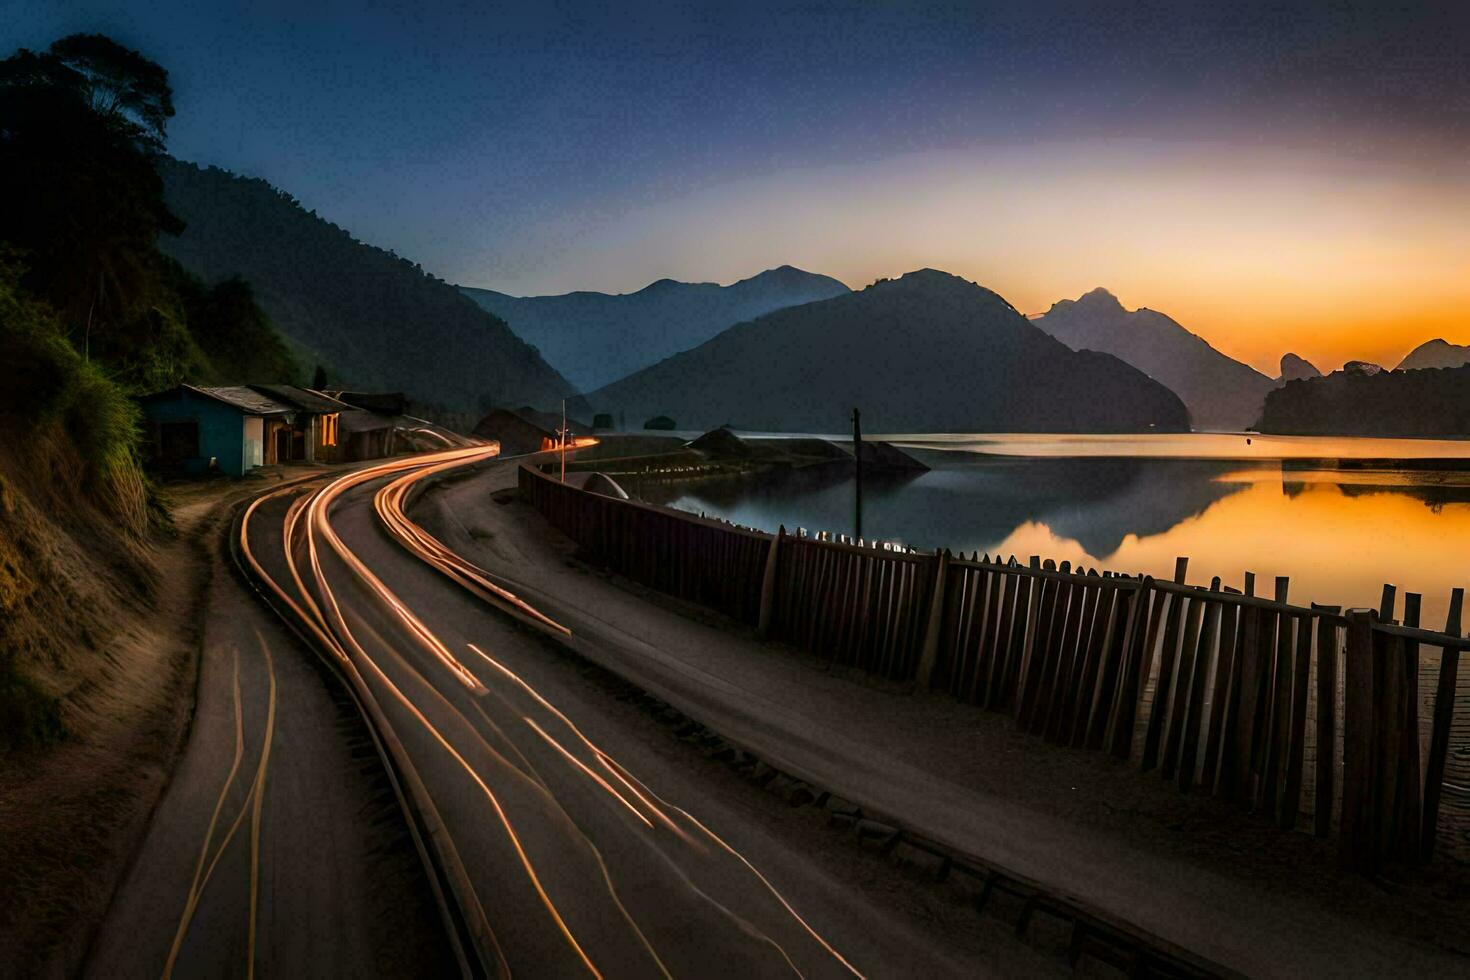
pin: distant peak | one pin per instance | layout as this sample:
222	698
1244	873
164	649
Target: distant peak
1099	297
1294	367
927	275
782	274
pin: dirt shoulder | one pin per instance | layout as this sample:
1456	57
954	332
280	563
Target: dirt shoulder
116	643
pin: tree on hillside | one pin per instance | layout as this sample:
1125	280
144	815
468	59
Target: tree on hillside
80	126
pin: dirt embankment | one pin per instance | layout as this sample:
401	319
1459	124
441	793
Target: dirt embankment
99	604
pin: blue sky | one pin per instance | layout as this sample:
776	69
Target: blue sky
547	147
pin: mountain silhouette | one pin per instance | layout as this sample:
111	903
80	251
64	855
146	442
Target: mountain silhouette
1436	354
927	352
375	320
1297	368
1221	392
596	338
1427	403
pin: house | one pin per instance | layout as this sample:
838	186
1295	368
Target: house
516	434
525	430
368	435
310	433
234	429
197	430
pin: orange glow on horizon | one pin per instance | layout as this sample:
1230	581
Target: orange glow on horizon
1260	250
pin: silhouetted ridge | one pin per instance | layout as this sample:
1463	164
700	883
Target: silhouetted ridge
1425	403
596	338
374	319
1438	353
1221	392
925	352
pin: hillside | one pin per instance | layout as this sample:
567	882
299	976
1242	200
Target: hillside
1436	354
1429	403
373	319
1221	392
596	338
927	352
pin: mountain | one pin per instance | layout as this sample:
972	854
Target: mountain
928	352
1429	403
1436	354
375	320
1296	368
596	338
1221	392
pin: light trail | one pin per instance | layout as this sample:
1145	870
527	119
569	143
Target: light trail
307	538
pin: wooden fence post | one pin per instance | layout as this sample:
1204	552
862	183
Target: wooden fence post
768	585
1439	734
930	651
1357	842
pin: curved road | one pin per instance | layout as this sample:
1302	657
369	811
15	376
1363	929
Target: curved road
560	858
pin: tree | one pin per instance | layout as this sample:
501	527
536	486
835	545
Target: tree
80	127
319	379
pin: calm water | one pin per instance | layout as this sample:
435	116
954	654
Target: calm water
1339	516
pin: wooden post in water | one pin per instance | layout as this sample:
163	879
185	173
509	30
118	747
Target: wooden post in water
857	455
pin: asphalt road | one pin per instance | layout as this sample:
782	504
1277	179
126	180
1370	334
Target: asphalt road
573	840
278	846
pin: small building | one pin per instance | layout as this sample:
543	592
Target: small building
516	434
196	430
367	435
310	435
233	429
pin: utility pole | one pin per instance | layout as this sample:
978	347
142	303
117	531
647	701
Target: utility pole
563	434
857	454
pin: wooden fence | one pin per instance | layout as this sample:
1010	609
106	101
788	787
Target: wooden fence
1291	712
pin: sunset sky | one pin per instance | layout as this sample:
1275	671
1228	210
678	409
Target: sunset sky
1275	180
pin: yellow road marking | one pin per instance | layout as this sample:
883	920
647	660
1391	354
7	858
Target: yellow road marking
192	898
270	729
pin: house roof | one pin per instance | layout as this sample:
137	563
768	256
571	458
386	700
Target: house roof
301	399
361	420
238	397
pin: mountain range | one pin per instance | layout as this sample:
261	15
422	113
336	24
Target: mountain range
371	318
596	338
1221	392
926	352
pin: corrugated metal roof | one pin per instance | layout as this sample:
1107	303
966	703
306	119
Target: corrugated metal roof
246	399
303	399
361	420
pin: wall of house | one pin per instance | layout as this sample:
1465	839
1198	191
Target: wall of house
221	430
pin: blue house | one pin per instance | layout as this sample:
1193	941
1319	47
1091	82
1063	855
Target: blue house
201	429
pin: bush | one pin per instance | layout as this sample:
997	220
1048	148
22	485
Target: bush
44	381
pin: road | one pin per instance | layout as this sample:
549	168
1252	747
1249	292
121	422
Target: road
276	843
572	835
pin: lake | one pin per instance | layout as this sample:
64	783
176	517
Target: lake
1340	517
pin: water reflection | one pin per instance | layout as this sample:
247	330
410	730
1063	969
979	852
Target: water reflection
1340	532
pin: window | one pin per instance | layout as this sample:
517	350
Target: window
329	429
